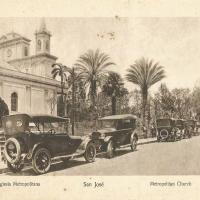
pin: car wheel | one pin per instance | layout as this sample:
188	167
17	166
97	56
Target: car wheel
41	161
163	135
133	143
12	156
90	152
15	167
110	149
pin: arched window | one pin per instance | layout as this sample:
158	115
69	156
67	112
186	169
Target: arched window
25	51
14	101
39	44
47	45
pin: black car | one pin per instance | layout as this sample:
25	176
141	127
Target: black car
39	139
192	124
115	131
167	129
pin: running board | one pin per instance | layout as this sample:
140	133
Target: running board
71	156
124	146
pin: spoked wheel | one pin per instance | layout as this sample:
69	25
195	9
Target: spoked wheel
110	149
41	161
133	143
17	167
90	153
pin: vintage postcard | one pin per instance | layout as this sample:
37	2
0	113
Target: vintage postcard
97	104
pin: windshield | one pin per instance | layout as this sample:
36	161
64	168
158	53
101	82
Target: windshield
106	124
179	123
48	127
163	122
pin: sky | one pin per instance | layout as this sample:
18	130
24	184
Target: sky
173	42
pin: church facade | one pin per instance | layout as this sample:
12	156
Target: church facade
26	83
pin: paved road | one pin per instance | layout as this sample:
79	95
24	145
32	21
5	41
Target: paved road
171	158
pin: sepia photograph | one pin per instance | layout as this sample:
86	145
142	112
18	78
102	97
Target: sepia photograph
99	96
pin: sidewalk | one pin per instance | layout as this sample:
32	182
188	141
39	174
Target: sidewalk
3	167
147	140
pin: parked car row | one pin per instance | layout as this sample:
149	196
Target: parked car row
170	129
40	139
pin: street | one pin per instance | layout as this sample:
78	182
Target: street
167	158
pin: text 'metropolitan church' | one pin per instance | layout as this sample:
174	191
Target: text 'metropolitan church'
26	83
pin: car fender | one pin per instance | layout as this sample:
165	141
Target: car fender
134	134
32	151
82	147
107	138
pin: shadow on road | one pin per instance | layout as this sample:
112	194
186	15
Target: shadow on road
28	171
118	153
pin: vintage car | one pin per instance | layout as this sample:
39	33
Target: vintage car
115	131
192	124
182	130
40	139
167	130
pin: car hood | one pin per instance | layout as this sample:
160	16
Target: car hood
105	130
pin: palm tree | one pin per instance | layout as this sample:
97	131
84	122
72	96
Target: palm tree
59	70
114	88
145	73
92	66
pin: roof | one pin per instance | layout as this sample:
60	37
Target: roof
116	117
11	37
7	66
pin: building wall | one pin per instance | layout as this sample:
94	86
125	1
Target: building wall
33	99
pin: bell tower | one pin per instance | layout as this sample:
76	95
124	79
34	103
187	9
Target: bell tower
42	39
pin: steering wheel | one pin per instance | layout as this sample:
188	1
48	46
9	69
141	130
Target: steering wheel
51	131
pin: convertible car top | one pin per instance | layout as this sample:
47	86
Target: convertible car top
116	117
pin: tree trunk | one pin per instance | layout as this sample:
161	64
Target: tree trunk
73	103
114	105
144	104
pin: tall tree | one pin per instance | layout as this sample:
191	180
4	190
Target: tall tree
145	73
114	88
164	102
60	70
93	65
3	109
73	80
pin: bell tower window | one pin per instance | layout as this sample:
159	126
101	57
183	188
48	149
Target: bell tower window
14	101
47	45
25	51
39	44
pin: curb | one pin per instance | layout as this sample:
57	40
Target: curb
147	142
4	170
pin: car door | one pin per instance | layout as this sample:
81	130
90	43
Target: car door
123	133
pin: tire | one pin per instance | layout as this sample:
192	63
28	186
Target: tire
110	149
133	143
41	161
161	135
18	151
17	167
90	152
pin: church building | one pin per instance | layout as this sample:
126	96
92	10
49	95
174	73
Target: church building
26	83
